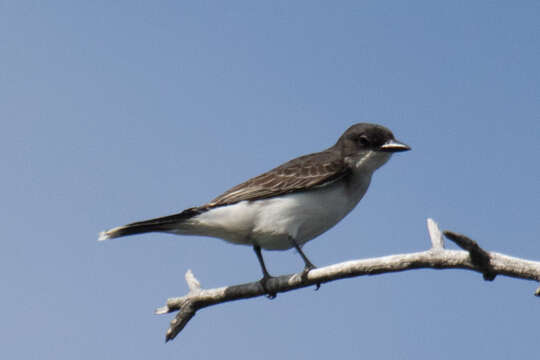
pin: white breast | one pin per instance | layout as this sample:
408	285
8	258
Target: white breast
306	215
269	223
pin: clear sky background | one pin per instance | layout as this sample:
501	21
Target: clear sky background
113	112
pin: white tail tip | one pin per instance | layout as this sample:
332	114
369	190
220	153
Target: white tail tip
103	236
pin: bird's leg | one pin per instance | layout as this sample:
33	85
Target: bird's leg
308	265
266	275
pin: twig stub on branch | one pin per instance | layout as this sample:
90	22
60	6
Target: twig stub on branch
479	256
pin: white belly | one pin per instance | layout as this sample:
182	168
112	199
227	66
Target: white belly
269	223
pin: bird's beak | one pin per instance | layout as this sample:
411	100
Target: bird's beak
394	146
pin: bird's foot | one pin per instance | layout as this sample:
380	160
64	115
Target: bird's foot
305	272
264	285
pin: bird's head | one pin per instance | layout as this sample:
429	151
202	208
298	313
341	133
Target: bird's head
368	146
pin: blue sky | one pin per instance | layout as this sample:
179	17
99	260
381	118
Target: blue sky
119	111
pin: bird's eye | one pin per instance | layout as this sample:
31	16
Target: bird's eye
362	140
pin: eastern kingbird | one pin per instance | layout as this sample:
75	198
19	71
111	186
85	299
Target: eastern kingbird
289	205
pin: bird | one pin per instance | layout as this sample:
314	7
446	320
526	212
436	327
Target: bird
289	205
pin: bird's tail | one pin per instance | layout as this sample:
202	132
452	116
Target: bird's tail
161	224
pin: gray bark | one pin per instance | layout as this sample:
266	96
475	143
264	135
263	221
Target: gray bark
474	258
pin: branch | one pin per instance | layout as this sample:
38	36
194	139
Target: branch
474	258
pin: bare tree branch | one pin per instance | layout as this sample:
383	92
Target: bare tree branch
473	258
479	256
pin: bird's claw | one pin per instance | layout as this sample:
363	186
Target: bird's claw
305	272
269	294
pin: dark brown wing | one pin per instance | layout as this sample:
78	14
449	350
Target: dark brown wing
302	173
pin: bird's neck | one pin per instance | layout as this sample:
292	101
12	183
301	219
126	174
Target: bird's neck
366	162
